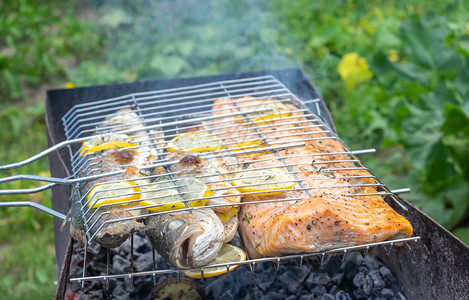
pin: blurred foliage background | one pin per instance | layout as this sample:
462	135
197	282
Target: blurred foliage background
393	73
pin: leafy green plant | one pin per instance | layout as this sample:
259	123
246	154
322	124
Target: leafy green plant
39	42
428	92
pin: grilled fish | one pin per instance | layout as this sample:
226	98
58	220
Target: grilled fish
186	239
105	223
337	205
216	173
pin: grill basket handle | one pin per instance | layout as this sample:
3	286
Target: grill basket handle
35	205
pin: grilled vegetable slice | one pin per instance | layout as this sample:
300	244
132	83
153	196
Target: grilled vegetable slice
228	254
195	141
171	289
166	196
113	192
272	181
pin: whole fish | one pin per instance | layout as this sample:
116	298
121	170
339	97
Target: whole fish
111	225
186	239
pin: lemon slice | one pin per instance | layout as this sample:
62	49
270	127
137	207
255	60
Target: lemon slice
228	254
246	145
276	110
266	180
195	141
111	141
225	216
167	197
109	193
249	145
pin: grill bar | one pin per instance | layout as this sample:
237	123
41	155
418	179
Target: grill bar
322	255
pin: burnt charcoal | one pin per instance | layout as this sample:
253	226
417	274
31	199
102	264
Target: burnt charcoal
370	263
290	283
227	295
143	262
93	294
386	274
337	278
120	293
74	286
359	280
399	296
307	297
319	290
334	289
327	296
120	265
317	279
298	273
97	268
253	292
93	249
378	282
341	295
141	244
123	250
111	285
363	269
359	294
263	279
275	295
143	289
76	272
386	293
355	277
368	285
349	266
363	282
216	288
332	265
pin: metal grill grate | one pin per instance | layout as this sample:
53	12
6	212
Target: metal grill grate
166	114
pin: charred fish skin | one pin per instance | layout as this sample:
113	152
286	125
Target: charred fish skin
186	239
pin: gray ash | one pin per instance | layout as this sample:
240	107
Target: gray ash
351	277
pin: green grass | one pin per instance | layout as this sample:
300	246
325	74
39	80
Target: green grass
27	254
28	264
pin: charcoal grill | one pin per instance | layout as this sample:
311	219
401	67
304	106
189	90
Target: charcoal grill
73	116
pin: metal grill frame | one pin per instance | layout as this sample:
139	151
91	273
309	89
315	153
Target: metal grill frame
77	129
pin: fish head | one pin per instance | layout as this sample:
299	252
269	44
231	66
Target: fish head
187	239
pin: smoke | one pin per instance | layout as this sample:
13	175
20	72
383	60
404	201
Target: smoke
168	39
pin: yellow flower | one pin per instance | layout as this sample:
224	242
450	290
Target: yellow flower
392	55
353	70
69	85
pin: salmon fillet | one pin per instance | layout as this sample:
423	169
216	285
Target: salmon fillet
332	207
